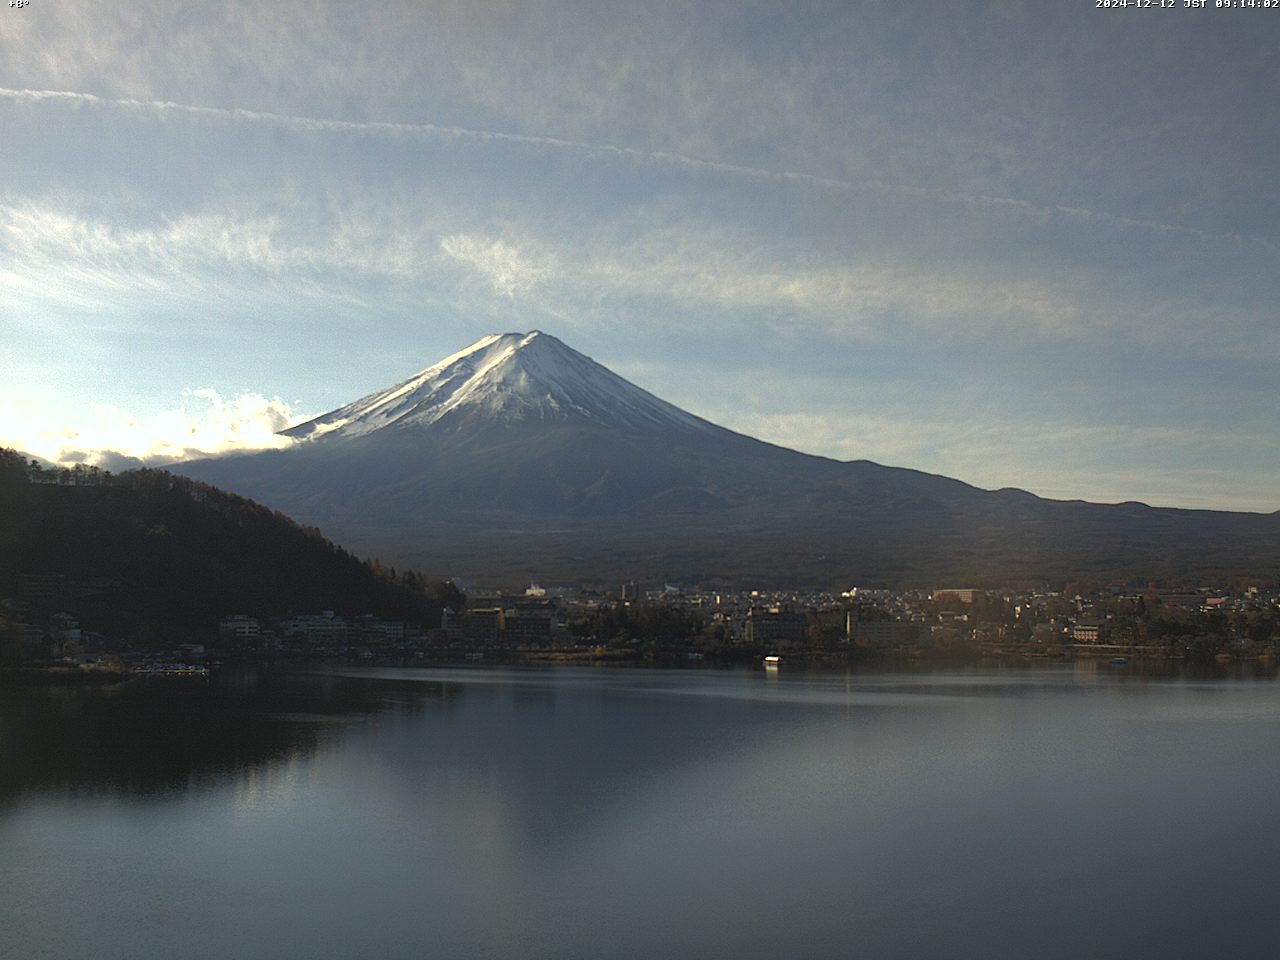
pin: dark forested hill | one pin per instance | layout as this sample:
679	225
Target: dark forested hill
146	551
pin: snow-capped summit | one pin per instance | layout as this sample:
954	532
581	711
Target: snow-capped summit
506	378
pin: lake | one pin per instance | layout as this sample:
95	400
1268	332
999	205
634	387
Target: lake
574	812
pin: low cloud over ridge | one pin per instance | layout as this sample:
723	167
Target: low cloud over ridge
205	424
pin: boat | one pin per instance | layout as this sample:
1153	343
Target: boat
772	660
1119	661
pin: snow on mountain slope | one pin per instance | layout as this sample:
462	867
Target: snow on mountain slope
508	378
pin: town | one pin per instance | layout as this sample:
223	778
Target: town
668	623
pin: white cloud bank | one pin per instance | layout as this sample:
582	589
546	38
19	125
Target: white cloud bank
205	424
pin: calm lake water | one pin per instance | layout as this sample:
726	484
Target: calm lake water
593	813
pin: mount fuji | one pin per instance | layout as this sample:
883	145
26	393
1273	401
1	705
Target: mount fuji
508	378
519	457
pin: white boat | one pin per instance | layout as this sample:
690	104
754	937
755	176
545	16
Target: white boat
772	660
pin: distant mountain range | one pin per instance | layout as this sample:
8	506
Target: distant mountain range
520	458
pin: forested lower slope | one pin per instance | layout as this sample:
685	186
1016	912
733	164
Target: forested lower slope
146	551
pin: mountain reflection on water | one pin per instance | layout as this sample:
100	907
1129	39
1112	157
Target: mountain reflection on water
153	738
577	812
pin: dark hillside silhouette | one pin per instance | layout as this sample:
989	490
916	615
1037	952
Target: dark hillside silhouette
146	551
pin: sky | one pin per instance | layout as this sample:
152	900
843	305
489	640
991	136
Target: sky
1031	244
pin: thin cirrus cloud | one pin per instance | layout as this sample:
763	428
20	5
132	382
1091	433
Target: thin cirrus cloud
70	254
605	151
508	270
67	253
933	296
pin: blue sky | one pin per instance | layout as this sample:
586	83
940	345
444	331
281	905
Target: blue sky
1032	244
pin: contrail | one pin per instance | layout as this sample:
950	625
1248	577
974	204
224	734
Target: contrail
432	131
424	131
